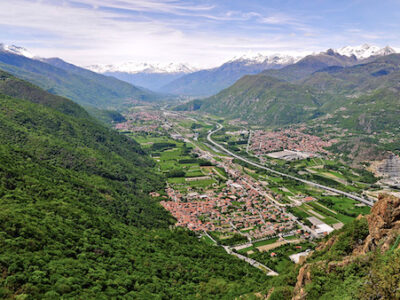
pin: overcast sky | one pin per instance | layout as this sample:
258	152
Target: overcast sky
202	32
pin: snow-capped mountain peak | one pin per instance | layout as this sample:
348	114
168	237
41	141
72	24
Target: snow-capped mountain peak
133	67
275	59
365	51
16	50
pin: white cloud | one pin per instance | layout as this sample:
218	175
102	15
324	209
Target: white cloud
88	34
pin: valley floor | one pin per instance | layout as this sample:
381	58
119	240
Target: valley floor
217	188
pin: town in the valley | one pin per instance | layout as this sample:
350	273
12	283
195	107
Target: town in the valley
253	214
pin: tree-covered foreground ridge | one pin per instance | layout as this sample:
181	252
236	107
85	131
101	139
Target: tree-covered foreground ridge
77	222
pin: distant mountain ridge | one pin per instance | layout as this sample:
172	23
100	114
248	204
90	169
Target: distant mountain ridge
312	63
61	78
317	85
209	82
183	79
16	50
365	51
148	75
277	59
133	68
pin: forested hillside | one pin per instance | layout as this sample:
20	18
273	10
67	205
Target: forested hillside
264	99
351	94
80	85
76	218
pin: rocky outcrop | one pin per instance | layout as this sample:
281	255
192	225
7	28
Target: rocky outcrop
384	229
383	224
303	278
327	244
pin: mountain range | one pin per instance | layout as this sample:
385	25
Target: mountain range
64	79
315	86
365	51
170	78
166	77
211	81
182	79
152	76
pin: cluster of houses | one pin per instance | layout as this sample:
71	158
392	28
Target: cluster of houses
263	142
141	122
239	207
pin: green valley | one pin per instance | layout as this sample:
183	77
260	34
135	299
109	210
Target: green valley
184	150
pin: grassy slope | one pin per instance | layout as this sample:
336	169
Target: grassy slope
77	220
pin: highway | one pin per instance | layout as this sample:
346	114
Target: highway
327	188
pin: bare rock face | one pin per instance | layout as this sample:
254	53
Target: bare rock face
390	167
383	223
327	244
303	278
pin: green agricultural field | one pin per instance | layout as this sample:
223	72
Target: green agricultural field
344	206
141	139
176	180
178	159
300	213
194	171
203	183
171	154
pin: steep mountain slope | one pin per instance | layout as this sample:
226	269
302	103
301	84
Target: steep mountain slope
377	111
17	88
209	82
311	64
76	218
264	100
360	79
78	84
320	84
255	100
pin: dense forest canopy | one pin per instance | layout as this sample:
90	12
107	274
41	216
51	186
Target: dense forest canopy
76	218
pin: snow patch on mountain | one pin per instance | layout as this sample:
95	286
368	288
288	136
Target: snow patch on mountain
274	59
365	51
150	68
16	50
